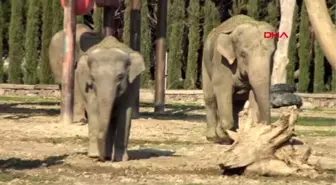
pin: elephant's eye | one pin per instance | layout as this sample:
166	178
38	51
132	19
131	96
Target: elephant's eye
120	76
243	54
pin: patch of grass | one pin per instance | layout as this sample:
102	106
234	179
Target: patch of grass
312	121
317	133
7	177
27	99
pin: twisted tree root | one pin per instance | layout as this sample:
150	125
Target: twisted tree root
266	149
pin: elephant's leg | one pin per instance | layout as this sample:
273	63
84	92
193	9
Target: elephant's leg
79	108
93	123
135	106
210	107
223	93
123	126
238	105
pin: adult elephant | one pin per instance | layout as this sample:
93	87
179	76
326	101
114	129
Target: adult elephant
236	66
106	77
85	39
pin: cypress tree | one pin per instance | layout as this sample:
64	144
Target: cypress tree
194	43
292	49
127	22
145	47
16	50
238	6
318	68
273	12
45	75
253	8
31	42
98	19
80	19
304	51
176	45
211	18
1	42
58	12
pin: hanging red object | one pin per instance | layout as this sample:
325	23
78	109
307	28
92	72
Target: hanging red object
82	6
108	3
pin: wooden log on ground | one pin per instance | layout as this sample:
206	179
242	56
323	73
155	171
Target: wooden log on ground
266	149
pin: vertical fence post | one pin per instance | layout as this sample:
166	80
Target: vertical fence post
68	63
109	23
135	30
160	57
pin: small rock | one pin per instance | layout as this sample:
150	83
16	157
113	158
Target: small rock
331	104
308	105
2	92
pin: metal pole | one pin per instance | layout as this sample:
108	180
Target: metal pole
69	61
109	23
160	57
135	30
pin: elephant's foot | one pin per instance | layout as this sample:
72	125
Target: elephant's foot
210	134
120	156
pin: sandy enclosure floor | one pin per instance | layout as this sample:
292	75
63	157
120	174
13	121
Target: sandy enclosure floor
166	149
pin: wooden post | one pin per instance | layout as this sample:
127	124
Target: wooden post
109	23
160	56
69	61
135	29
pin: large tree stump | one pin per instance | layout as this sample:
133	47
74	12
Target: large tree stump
266	149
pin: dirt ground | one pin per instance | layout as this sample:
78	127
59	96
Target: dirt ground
164	149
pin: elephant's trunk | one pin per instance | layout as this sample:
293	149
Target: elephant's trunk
260	82
105	107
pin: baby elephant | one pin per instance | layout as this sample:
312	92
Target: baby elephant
107	78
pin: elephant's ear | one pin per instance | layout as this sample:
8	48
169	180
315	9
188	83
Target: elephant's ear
225	47
137	65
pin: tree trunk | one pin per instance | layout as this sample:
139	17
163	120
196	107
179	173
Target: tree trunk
323	27
281	54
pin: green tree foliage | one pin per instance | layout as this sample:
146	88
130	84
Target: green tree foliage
80	19
127	21
1	41
211	18
194	44
253	8
333	81
145	47
176	49
238	6
304	51
273	12
57	11
292	49
16	50
98	19
318	68
31	42
45	75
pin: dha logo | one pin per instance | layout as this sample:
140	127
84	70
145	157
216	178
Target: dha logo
271	35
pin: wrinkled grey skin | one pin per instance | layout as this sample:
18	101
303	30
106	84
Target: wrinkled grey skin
107	81
236	67
85	39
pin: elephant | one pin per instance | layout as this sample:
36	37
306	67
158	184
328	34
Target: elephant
236	67
85	39
106	81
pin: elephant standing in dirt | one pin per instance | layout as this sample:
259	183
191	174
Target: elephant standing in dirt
236	67
106	81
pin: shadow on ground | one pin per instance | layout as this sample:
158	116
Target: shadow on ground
19	164
147	153
174	112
